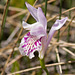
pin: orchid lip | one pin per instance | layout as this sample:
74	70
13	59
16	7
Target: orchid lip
30	45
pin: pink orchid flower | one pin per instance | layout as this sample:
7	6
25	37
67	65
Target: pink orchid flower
36	39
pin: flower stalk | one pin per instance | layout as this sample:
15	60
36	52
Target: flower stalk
42	63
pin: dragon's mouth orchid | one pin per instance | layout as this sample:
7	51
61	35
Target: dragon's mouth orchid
36	39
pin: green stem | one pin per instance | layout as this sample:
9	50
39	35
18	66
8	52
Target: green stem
43	66
60	10
4	18
70	5
58	35
45	7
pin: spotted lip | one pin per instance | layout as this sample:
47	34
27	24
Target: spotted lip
30	44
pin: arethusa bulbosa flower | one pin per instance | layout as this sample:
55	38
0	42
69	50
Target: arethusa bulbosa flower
36	39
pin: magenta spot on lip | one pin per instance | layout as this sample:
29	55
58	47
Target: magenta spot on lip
25	50
29	49
40	39
27	43
23	46
39	44
28	34
25	38
35	43
32	49
33	46
28	52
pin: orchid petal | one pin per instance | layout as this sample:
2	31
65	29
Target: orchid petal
37	14
41	17
29	44
43	42
26	26
57	25
50	35
36	29
32	10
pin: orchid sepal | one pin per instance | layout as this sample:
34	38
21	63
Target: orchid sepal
56	26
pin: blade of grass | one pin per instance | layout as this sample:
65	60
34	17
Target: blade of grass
4	19
60	12
70	5
68	34
45	7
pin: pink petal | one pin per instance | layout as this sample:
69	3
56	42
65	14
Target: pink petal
37	14
32	10
41	17
43	42
50	35
57	25
36	29
27	26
